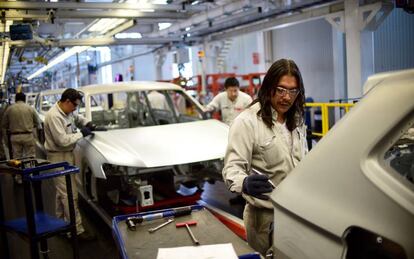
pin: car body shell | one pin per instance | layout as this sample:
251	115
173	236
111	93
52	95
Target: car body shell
344	182
41	106
144	147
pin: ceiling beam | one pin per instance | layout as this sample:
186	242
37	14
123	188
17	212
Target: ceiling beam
96	42
24	5
85	14
306	14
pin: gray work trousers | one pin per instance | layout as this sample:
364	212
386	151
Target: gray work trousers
23	145
258	227
62	205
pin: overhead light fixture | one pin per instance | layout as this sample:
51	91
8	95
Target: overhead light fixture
105	27
120	28
163	25
4	52
159	1
128	35
58	59
110	27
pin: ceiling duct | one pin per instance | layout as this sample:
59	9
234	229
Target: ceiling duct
207	16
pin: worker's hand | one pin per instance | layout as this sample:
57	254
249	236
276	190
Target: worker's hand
86	132
255	185
91	126
100	128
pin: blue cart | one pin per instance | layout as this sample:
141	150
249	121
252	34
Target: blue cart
37	225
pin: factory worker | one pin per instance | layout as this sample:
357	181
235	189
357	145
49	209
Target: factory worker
270	137
61	135
231	102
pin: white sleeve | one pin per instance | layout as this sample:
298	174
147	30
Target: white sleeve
56	128
237	161
214	105
248	100
80	120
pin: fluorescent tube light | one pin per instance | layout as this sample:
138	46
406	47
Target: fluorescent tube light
105	27
163	25
128	35
4	52
58	59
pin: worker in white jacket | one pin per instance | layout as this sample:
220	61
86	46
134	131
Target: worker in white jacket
158	100
270	137
61	135
231	102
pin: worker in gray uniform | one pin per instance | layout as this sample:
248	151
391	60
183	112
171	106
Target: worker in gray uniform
231	102
3	106
18	121
61	135
266	141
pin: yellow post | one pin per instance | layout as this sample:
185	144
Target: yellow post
325	119
325	114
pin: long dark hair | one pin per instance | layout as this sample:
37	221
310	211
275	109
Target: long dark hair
294	116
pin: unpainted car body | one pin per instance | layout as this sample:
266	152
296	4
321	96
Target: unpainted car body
146	139
46	99
351	196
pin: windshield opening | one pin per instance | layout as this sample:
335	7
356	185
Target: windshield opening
121	110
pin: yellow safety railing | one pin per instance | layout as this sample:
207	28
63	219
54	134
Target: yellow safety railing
325	114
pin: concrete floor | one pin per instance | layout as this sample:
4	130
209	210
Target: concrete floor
104	246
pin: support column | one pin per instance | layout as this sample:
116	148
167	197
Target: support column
159	57
352	21
353	48
339	64
78	82
268	50
203	68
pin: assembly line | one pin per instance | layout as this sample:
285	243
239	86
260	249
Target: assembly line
207	129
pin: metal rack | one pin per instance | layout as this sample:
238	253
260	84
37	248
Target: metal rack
37	226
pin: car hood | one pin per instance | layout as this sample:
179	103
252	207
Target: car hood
163	145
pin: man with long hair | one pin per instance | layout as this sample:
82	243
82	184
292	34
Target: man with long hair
266	141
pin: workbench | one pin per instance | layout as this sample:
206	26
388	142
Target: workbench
141	244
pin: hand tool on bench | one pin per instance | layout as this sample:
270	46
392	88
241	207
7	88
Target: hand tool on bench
132	221
187	224
152	230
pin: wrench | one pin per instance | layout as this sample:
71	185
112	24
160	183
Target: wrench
152	230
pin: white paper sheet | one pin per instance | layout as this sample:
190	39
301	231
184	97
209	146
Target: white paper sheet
219	251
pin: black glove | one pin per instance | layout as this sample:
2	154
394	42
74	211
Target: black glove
100	128
91	126
255	185
86	131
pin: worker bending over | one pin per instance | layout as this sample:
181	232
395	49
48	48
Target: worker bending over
270	137
61	135
231	102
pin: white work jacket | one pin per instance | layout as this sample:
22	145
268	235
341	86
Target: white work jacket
61	133
253	144
229	109
158	100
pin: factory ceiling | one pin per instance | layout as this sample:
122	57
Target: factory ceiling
62	25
